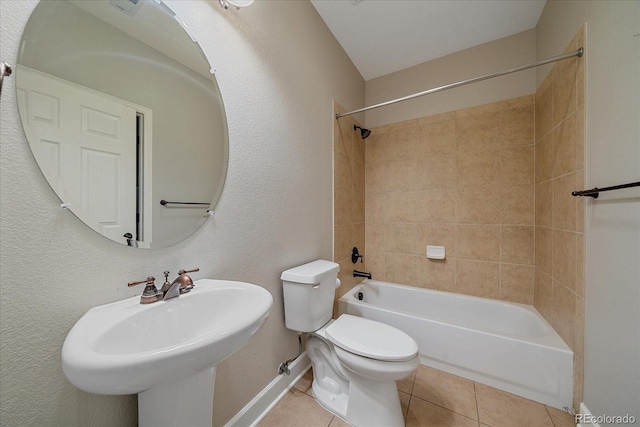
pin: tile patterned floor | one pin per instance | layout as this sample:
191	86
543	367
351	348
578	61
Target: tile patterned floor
430	398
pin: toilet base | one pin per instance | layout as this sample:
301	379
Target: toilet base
359	400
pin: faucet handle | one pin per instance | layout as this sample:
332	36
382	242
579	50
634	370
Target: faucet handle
181	272
150	293
149	281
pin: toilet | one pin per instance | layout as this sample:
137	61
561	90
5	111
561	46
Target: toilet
356	361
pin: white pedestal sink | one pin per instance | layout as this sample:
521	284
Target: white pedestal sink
166	352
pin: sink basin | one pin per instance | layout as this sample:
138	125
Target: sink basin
126	347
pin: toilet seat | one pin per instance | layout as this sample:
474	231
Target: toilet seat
371	339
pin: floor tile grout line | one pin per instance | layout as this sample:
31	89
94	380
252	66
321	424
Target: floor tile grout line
443	407
475	396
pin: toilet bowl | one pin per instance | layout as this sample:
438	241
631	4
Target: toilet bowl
358	383
356	362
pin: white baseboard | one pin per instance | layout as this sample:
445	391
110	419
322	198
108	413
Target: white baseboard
585	411
260	405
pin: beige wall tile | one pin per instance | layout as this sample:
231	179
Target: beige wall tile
492	108
357	193
478	242
544	158
373	178
517	244
342	211
580	254
517	124
478	169
478	132
544	249
374	237
544	206
479	207
579	328
400	238
435	206
580	141
344	130
564	264
437	274
401	207
517	166
401	144
564	147
436	172
544	109
401	126
543	295
563	77
518	205
357	237
518	103
437	138
374	208
374	148
400	268
400	176
435	118
342	174
478	278
358	148
341	241
516	283
374	264
564	308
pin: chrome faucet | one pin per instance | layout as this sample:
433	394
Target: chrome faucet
181	284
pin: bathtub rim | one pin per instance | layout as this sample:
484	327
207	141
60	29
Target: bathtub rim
550	339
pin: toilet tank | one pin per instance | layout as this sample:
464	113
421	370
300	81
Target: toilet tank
308	295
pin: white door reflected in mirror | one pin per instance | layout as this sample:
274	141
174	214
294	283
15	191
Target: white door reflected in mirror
121	111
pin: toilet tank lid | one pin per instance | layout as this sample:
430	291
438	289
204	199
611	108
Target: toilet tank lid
311	272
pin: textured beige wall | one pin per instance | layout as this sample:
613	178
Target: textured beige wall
487	58
348	200
463	180
612	222
559	283
279	69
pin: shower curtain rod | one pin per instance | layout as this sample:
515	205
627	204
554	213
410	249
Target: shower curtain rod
578	53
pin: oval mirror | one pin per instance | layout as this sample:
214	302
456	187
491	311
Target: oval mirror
122	113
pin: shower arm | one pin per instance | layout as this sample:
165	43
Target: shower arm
577	53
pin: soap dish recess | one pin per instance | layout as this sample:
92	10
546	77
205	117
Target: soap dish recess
435	252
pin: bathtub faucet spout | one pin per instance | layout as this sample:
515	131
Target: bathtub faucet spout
357	273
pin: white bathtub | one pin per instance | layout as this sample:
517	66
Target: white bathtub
504	345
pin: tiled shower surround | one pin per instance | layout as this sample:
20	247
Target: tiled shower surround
463	180
490	183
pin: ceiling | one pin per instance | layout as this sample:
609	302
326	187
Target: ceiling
384	36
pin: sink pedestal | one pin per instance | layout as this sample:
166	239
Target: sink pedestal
185	402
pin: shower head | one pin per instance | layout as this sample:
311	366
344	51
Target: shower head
363	132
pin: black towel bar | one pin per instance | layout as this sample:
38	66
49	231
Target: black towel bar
595	192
